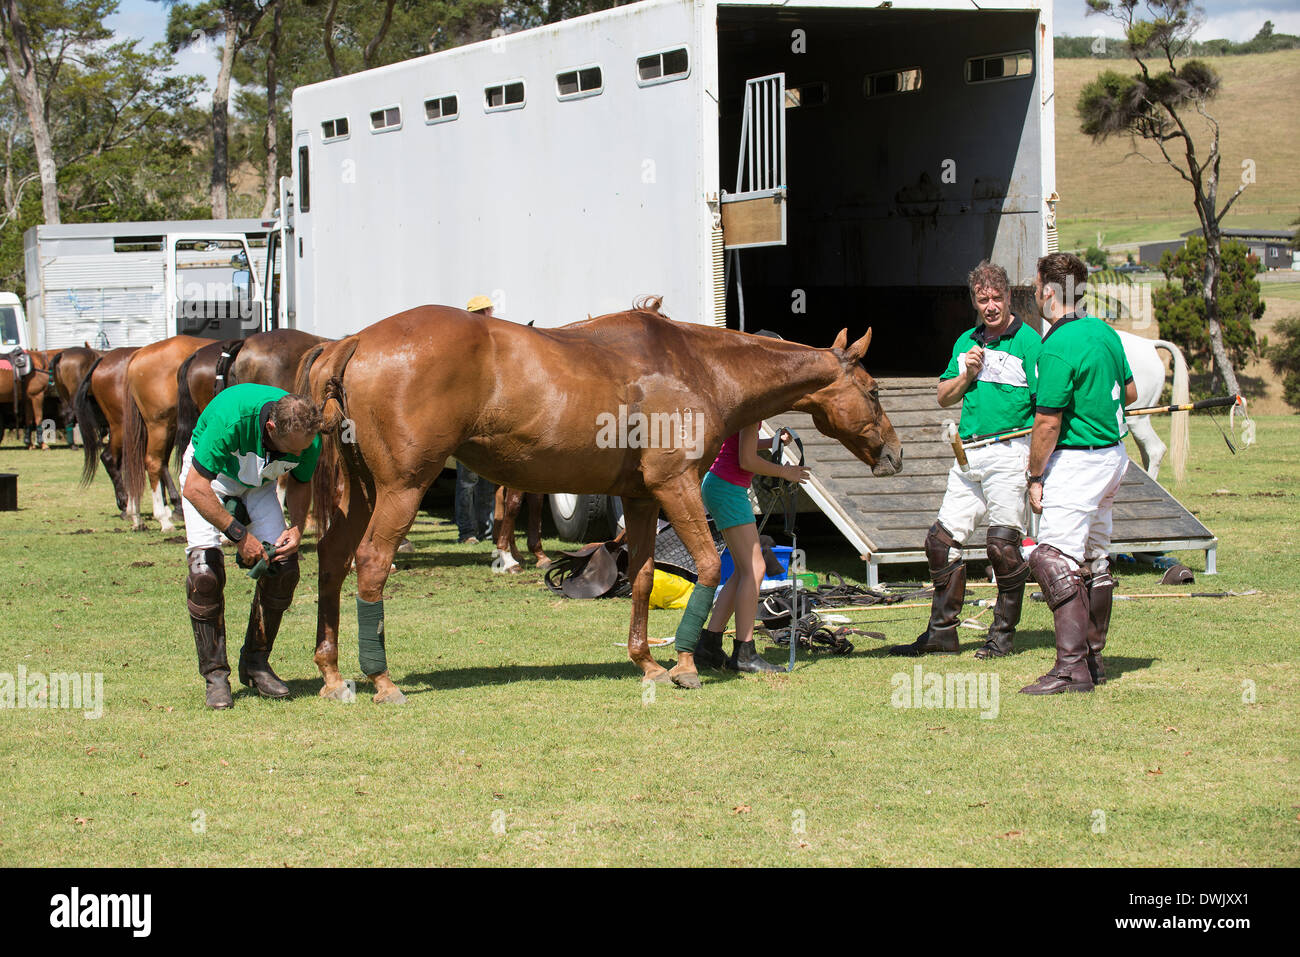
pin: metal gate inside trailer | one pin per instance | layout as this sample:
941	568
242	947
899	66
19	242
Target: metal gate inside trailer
886	519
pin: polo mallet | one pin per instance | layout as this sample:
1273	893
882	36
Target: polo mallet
791	491
959	450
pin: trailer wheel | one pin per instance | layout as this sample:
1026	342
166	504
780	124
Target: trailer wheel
580	518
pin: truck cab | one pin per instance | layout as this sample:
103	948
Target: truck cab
13	324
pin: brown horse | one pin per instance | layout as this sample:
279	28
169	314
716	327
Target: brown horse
267	358
27	395
69	367
100	406
150	422
508	503
529	408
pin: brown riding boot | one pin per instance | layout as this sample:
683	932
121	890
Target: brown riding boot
204	594
1012	571
1101	591
949	577
271	599
1063	587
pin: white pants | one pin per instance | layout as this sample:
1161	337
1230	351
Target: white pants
992	491
266	515
1079	489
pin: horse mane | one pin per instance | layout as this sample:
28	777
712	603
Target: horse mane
650	304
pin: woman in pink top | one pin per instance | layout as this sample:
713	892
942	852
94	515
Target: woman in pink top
726	496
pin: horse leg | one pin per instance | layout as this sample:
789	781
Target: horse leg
172	493
155	464
535	529
1149	444
681	502
641	515
394	513
506	555
334	559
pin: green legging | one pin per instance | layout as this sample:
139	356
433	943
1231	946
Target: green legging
693	619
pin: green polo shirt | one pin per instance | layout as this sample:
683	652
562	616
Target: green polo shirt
1002	398
230	439
1082	371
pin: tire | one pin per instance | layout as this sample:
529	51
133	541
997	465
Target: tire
580	518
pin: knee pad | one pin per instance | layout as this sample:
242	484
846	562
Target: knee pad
939	551
1003	548
277	589
1056	574
206	584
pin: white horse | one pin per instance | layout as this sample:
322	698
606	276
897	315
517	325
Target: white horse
1149	377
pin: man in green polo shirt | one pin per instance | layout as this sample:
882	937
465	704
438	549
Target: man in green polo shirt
992	375
247	437
1076	463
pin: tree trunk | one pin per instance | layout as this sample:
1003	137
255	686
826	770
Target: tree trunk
272	117
330	55
1213	266
22	71
220	110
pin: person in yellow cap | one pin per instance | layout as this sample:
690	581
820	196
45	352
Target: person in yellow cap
475	496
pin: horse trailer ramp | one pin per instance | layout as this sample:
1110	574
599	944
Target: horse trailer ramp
886	519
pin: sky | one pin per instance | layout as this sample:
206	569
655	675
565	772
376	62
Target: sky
1231	19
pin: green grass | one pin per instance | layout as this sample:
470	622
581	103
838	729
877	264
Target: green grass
526	705
1282	290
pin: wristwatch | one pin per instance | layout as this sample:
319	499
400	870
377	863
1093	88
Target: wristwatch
235	531
1031	479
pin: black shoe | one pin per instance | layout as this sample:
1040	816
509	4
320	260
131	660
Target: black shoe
745	658
928	644
708	652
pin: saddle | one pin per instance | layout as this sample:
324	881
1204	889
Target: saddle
597	570
19	361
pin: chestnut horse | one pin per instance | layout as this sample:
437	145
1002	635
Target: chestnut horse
149	428
69	367
27	395
524	407
267	358
99	405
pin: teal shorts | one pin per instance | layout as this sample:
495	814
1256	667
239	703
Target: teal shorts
727	503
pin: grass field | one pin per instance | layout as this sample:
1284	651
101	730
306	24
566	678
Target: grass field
1137	198
527	740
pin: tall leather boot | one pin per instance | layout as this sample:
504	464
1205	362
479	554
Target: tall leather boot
949	577
1062	585
709	653
1012	572
205	596
1101	592
273	596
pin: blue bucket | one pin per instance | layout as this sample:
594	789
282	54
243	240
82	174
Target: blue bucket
782	553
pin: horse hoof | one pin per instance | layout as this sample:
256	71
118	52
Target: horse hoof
390	696
690	680
338	692
544	562
659	676
406	547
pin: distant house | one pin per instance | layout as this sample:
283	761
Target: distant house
1271	246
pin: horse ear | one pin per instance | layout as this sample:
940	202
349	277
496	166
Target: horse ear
841	339
859	348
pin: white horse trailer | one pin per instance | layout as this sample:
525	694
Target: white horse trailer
130	284
784	165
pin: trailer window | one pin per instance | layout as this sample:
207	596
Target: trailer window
810	94
575	84
8	326
386	119
304	181
892	81
335	129
504	96
662	67
1003	66
440	109
137	244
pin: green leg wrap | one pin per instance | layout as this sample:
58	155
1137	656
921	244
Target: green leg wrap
693	618
370	636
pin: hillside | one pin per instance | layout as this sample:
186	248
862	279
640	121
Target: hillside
1134	197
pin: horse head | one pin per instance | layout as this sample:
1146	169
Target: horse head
849	410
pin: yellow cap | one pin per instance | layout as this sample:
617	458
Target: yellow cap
478	304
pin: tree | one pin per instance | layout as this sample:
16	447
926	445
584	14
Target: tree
1180	305
1285	359
1095	256
1159	105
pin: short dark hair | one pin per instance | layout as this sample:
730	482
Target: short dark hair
295	414
1067	273
989	274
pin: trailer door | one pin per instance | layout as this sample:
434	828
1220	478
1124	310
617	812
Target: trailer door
755	214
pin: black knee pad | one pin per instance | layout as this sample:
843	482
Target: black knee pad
1056	575
938	541
1003	548
206	584
277	589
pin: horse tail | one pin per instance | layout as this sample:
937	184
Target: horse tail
187	410
135	442
339	461
90	419
226	364
1179	432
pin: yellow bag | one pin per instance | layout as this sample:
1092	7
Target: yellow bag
670	591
